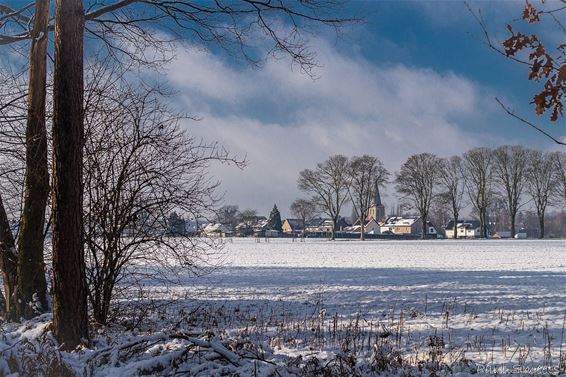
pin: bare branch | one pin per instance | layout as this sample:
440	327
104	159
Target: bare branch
508	111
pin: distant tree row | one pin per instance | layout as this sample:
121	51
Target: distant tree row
513	175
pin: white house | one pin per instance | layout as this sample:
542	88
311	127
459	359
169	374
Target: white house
370	227
406	225
325	225
464	228
215	230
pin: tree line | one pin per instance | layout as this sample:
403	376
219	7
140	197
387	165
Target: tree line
512	174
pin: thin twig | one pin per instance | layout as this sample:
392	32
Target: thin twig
508	111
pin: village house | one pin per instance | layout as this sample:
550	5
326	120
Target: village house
370	227
464	229
321	225
292	226
261	229
216	230
406	226
250	226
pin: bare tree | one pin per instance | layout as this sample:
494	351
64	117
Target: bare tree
441	211
305	210
31	286
70	320
416	182
329	183
248	216
451	181
8	261
478	170
13	122
509	165
149	170
367	174
497	212
247	219
540	180
26	288
228	214
561	178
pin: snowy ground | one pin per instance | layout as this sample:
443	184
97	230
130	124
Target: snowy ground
349	307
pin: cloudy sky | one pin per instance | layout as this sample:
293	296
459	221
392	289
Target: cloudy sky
415	77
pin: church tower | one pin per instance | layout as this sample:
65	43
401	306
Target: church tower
377	210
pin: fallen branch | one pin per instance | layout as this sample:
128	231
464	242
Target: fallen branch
216	346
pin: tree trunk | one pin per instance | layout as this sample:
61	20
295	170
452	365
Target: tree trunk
362	228
69	284
512	217
31	284
2	305
483	225
333	233
8	263
103	295
541	225
455	235
100	308
424	232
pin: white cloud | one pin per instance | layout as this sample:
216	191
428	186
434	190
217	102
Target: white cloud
208	76
353	107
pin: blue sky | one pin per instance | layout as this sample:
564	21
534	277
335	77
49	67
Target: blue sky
415	77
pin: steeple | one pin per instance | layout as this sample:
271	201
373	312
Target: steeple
379	207
377	201
377	210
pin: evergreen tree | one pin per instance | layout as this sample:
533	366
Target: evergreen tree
274	222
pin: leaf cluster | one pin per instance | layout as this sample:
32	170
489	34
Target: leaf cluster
542	65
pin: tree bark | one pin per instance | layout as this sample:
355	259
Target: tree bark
8	263
483	225
69	283
512	218
333	233
31	283
424	232
541	225
362	229
455	235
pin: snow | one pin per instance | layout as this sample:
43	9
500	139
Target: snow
469	255
300	308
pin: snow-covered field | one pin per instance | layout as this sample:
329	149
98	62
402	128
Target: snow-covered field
372	274
500	303
348	307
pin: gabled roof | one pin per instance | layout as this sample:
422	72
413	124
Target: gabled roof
213	228
295	224
316	222
326	222
262	224
468	224
401	221
368	221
